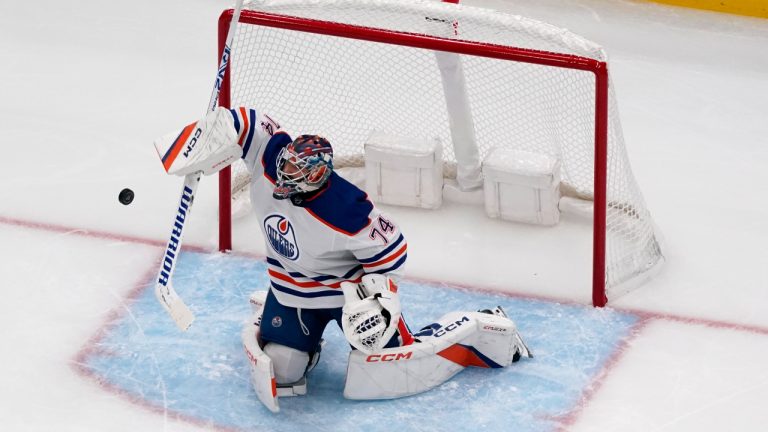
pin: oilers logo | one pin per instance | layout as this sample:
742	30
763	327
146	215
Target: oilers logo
281	236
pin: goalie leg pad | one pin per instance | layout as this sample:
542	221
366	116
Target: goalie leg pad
457	340
291	338
520	345
289	363
262	371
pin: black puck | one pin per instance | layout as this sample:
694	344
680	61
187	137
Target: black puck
126	196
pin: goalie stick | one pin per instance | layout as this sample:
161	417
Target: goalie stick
166	295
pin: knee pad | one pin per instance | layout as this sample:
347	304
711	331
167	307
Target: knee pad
289	363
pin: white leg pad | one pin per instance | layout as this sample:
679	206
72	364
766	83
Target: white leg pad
262	372
457	340
274	367
289	363
257	301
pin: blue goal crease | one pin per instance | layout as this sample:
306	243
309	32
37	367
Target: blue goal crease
203	373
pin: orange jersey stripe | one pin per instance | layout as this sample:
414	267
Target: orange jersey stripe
244	132
390	258
293	281
178	144
286	278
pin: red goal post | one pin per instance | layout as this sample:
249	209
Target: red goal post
598	68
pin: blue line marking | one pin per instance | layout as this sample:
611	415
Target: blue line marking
203	373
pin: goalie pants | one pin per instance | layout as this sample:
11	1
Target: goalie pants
302	329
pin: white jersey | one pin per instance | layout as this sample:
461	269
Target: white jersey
314	245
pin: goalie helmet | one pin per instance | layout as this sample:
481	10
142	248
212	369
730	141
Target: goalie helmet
303	166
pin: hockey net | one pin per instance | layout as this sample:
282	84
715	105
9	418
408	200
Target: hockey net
344	68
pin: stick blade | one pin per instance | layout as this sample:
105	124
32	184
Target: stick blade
179	312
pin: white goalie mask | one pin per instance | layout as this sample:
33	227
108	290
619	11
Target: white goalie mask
371	313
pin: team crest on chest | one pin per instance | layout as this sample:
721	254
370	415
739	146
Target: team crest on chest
281	236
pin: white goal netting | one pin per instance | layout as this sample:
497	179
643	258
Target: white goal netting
346	88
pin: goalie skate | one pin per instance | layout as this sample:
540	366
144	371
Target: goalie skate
299	388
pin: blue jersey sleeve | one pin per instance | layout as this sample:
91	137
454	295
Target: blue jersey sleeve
373	239
342	206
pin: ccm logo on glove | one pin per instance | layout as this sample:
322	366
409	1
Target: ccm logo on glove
192	142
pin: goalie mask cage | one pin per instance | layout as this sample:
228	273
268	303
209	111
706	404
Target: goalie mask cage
344	68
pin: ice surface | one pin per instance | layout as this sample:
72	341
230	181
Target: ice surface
142	354
88	85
